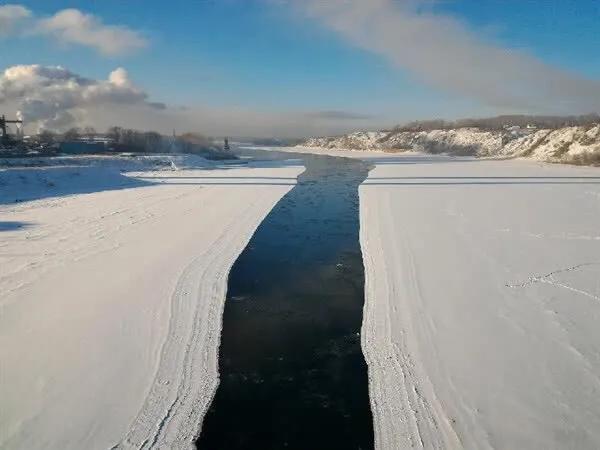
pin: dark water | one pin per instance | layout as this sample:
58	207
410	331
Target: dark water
291	366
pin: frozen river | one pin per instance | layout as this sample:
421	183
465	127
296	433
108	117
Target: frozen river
292	374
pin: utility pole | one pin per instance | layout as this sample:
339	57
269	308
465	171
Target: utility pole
3	122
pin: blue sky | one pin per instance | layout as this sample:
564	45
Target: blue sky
273	57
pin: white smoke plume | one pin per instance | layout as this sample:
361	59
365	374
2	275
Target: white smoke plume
442	52
53	97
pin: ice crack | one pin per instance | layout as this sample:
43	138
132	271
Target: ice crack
549	279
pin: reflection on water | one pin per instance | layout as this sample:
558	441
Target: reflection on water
292	372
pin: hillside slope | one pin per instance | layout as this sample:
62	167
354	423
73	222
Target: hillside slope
577	144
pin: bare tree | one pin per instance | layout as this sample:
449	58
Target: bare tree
46	137
114	133
71	134
89	132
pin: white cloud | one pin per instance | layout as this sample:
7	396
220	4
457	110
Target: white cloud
12	16
444	53
71	27
56	98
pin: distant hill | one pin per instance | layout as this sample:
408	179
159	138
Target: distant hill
541	138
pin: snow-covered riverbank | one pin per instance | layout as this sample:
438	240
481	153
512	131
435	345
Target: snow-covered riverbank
111	301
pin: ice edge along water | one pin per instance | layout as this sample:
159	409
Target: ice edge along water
403	417
188	376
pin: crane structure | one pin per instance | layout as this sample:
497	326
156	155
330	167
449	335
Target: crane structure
3	122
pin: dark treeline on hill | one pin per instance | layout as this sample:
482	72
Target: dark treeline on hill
148	141
127	140
124	139
500	122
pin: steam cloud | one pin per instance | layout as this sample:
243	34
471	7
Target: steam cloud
53	97
443	53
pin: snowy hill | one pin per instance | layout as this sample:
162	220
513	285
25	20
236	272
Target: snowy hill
578	144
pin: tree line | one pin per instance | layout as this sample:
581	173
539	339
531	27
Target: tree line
500	122
129	140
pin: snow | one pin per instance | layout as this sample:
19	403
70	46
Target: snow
482	302
112	285
569	144
562	144
482	297
365	140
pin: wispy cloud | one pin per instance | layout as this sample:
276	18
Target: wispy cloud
72	27
12	16
337	115
443	52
